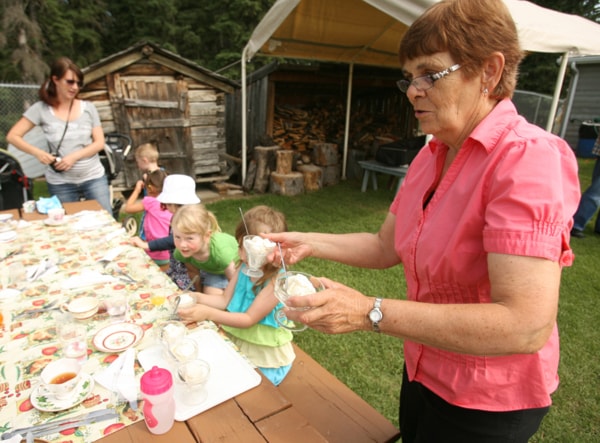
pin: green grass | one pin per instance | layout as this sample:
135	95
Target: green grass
371	364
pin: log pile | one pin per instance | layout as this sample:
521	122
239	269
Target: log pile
298	128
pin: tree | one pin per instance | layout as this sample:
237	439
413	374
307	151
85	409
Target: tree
22	42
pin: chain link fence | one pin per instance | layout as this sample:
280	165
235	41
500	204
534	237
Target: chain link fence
14	100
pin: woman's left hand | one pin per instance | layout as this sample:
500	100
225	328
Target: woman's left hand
65	163
336	310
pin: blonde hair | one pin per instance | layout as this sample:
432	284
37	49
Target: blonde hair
470	31
257	219
195	219
148	151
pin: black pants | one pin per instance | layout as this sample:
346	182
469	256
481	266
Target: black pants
427	418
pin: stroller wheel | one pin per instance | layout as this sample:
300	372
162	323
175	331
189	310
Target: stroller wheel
131	225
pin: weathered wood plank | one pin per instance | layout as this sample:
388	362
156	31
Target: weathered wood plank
339	414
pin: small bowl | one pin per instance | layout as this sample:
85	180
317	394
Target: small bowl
82	307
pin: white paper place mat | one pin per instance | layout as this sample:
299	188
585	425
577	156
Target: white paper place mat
230	373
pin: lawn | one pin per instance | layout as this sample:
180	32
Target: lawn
371	364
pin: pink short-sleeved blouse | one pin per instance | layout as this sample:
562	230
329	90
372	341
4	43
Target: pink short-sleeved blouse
512	189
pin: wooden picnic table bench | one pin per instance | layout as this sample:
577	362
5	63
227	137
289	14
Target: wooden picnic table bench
372	167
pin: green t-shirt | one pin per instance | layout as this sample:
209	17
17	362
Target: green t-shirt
223	249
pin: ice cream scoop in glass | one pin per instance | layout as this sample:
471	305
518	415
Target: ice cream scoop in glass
294	284
257	250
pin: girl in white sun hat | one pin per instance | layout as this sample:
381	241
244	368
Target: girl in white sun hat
178	190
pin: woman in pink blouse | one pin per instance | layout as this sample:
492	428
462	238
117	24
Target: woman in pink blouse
481	226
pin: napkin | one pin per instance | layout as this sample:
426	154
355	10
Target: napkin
86	278
44	268
119	377
112	254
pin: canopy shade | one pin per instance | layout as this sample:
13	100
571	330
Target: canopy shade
368	32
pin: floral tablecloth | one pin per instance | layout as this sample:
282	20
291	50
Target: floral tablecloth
31	341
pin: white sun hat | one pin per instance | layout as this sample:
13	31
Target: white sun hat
178	189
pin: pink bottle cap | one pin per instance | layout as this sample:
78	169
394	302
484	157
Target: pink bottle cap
156	381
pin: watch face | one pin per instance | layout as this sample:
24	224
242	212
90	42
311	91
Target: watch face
375	315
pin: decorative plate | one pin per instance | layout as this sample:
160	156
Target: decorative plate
51	222
118	337
43	400
7	236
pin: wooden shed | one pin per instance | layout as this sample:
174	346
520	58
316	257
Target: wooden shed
154	95
295	105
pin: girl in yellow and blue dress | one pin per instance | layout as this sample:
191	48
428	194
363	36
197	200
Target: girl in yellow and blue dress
246	309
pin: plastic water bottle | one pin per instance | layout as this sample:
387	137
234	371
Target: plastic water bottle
159	405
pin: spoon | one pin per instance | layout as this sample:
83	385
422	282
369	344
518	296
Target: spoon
177	298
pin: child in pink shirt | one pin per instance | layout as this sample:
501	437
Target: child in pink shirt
156	221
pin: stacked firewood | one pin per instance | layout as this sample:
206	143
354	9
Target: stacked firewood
297	128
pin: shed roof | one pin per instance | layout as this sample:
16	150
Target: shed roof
156	54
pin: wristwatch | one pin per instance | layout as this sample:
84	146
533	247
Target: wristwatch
375	314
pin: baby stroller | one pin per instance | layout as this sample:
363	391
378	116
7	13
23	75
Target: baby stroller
116	149
15	187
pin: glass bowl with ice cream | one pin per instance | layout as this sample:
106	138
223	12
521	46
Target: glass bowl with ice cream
294	284
257	250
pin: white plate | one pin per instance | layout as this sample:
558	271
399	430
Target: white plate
8	293
5	217
230	373
51	222
7	236
42	400
118	337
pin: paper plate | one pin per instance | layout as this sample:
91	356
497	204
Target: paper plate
42	400
7	236
118	337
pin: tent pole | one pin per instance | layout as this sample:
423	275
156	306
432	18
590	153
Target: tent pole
557	89
244	115
347	124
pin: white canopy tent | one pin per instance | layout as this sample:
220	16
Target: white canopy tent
368	32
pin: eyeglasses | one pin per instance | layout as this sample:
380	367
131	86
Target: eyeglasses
74	82
425	82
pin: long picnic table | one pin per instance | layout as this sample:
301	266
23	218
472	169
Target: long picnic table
311	405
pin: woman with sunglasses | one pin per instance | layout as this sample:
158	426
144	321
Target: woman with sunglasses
481	227
73	134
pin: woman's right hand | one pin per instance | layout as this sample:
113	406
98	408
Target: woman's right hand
293	247
45	157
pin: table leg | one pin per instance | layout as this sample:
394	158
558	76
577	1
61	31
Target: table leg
365	181
374	180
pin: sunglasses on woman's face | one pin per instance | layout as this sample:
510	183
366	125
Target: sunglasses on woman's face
74	82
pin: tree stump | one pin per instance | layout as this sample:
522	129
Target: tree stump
250	176
325	154
313	177
285	161
331	175
287	184
265	164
